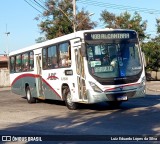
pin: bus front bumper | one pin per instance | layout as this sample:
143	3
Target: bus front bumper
94	97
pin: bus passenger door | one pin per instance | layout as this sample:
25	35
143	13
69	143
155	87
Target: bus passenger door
79	63
39	87
81	75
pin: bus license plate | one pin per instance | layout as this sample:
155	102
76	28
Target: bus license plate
122	98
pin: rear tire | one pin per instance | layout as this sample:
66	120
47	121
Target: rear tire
30	99
68	99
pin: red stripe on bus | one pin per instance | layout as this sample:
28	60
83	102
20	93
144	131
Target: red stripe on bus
121	86
51	87
35	76
24	75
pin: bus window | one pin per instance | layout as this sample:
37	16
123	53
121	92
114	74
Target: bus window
54	63
31	60
44	58
52	57
25	64
18	63
12	64
64	55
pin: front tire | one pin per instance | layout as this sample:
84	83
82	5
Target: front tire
30	99
68	99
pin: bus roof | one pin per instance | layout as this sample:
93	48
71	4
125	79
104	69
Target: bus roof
61	39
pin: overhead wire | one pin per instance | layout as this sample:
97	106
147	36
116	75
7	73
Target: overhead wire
99	4
117	7
40	5
33	6
31	1
120	7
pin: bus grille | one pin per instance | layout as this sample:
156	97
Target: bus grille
115	95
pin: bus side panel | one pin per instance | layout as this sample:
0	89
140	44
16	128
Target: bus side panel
50	92
21	82
30	81
16	87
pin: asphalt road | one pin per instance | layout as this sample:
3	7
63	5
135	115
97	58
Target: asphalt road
135	117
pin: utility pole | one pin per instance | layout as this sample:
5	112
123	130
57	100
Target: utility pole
74	15
7	45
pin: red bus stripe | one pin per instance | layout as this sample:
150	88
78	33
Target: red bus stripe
35	76
121	86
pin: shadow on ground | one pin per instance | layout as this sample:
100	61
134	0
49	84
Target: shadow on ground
135	117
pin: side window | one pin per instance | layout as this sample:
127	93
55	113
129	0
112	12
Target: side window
52	57
31	60
18	63
44	59
97	50
64	55
12	64
25	64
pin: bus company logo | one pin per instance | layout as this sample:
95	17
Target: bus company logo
52	76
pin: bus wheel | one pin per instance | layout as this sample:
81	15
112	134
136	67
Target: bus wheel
114	104
68	99
30	99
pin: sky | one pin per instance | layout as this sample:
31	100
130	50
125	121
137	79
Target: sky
18	18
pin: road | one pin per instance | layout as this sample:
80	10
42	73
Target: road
134	117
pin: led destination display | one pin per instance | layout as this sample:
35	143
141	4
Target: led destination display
110	35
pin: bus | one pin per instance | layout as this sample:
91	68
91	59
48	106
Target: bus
88	66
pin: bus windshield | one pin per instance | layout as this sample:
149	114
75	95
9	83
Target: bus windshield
110	60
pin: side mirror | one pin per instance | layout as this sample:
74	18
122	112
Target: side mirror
83	50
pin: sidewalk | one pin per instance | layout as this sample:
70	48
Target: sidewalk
5	88
153	86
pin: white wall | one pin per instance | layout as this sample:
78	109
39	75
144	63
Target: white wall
4	78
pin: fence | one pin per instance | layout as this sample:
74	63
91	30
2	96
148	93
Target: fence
4	78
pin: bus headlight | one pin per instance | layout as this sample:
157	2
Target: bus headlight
95	87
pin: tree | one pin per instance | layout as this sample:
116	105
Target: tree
40	39
125	21
59	19
152	51
158	26
152	54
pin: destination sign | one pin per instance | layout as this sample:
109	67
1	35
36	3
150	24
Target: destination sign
111	35
103	69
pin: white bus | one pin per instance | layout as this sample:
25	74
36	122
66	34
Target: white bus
88	66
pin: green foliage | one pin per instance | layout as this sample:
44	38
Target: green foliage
59	19
125	21
152	54
158	25
152	51
40	39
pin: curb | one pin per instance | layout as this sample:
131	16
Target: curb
5	88
155	90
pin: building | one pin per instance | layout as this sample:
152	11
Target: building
3	61
4	71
